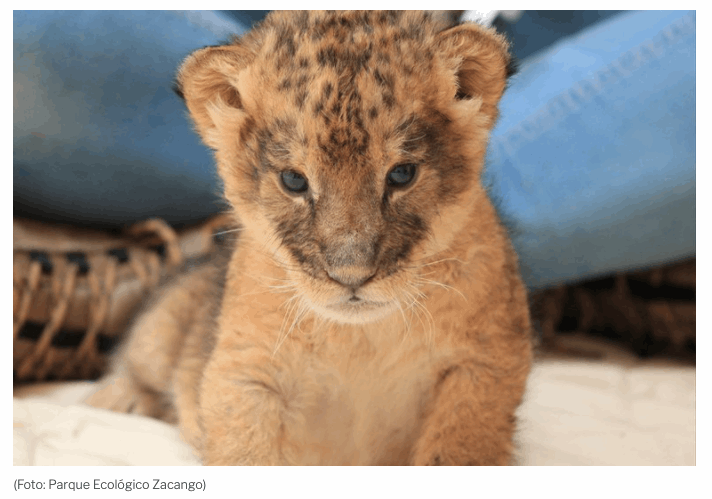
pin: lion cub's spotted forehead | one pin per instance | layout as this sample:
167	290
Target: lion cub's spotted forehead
325	94
350	82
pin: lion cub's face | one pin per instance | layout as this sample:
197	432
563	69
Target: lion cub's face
350	145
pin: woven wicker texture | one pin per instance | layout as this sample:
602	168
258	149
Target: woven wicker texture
652	312
75	290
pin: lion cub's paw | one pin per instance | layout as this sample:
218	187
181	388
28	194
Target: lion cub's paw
119	393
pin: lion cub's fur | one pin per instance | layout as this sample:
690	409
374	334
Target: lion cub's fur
357	322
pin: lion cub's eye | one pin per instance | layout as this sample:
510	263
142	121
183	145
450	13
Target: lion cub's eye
401	175
294	182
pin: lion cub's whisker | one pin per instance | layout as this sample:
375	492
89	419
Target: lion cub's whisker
229	231
442	285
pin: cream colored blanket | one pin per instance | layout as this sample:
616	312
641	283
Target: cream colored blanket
575	413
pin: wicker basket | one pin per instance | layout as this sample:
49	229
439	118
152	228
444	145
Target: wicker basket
651	312
75	290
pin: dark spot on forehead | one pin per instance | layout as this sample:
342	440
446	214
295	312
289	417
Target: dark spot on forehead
327	57
345	23
285	42
384	80
360	60
335	107
302	82
340	35
353	108
318	108
345	142
285	84
300	98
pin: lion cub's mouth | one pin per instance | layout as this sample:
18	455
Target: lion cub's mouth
348	304
357	303
356	309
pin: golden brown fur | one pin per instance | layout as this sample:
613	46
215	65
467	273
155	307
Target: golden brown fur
361	321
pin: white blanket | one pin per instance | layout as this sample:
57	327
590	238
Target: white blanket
575	412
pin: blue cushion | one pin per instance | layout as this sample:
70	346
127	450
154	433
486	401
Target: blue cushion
99	136
593	157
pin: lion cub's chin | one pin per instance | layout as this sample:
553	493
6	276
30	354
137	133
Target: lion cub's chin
349	312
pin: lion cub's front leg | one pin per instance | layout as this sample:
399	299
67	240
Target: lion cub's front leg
240	413
472	421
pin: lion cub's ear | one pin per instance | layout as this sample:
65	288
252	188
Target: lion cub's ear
480	60
208	80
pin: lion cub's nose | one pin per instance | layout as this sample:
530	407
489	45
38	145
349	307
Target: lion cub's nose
351	276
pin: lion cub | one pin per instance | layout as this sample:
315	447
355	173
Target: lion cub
372	311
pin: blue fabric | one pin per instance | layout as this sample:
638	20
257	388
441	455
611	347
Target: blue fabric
594	154
99	136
